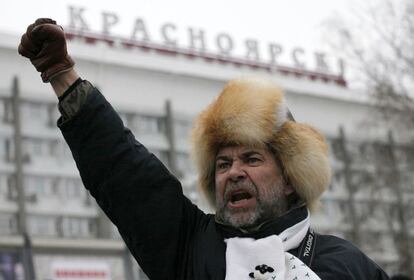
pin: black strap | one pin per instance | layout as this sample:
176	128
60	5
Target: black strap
307	248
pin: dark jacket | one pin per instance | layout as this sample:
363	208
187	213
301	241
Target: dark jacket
167	234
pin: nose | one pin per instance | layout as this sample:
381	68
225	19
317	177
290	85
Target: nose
236	172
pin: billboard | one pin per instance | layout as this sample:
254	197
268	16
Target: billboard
80	270
11	267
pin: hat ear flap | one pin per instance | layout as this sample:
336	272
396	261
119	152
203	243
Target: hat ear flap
304	156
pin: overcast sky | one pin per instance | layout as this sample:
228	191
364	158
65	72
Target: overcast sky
293	23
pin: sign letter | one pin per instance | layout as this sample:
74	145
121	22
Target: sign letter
275	50
139	27
252	50
75	18
321	63
164	32
109	20
197	37
224	43
295	58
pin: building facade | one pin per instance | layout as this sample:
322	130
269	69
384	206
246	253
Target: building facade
158	91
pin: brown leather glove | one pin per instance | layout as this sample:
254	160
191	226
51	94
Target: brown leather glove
44	44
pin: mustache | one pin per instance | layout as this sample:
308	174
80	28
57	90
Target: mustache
244	185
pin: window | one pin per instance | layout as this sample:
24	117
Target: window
55	185
7	189
4	189
78	227
11	186
42	226
8	224
36	148
3	149
161	125
146	124
33	147
37	187
9	146
58	149
2	110
8	111
73	188
54	148
34	113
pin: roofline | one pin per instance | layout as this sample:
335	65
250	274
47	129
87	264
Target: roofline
92	38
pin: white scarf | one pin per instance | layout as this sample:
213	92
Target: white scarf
267	258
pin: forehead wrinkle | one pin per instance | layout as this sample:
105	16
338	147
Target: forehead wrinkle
223	157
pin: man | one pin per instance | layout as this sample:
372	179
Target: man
261	170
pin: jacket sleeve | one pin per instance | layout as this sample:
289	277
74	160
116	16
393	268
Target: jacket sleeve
131	185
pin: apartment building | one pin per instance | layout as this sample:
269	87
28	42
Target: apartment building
157	92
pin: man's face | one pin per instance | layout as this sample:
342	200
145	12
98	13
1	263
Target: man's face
250	187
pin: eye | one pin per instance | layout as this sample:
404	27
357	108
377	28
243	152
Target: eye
253	160
223	165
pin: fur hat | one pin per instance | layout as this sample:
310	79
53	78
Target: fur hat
253	112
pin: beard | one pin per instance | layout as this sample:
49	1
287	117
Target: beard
269	204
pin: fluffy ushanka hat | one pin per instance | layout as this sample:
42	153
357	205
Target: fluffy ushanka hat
252	112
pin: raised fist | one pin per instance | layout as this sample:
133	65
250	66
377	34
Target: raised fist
44	44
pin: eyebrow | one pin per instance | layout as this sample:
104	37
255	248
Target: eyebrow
250	153
243	155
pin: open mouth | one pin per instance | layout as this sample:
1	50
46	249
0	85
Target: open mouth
240	198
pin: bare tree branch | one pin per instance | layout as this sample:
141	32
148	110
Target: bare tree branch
378	43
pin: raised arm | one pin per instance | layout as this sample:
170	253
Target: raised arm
130	184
